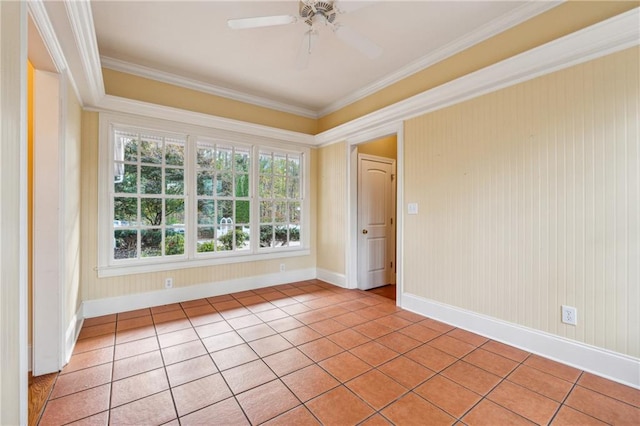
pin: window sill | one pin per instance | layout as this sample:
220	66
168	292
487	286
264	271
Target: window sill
168	265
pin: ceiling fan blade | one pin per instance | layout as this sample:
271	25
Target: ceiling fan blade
358	41
261	21
306	47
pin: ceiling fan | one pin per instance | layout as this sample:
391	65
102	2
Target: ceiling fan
315	13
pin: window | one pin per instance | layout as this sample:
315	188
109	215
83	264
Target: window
224	205
280	200
148	195
179	196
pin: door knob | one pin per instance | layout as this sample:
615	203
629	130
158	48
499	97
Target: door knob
364	231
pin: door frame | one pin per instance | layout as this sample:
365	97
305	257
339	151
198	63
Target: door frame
48	351
351	250
392	238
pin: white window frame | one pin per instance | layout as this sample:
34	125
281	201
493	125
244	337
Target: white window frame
107	266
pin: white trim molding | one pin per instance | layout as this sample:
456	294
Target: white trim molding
71	335
498	25
618	367
123	105
112	305
610	36
223	92
331	277
81	19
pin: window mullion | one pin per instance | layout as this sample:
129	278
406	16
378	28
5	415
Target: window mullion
254	200
191	214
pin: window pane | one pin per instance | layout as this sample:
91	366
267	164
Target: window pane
279	164
205	241
150	180
125	244
173	242
151	149
266	163
224	184
280	212
151	211
242	185
225	239
294	212
151	240
266	235
125	210
265	186
242	212
225	212
130	146
206	212
127	182
243	235
206	158
174	154
293	188
266	212
294	166
224	160
281	235
205	183
279	187
294	235
174	211
174	181
242	161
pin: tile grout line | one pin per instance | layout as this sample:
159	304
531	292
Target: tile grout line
319	308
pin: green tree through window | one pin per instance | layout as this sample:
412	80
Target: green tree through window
148	203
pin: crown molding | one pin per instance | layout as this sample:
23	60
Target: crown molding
81	21
498	25
176	80
41	18
606	37
130	106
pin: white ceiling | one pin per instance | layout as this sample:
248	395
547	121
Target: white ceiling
191	41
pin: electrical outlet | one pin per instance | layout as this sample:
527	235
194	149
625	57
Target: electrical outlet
168	283
569	315
282	267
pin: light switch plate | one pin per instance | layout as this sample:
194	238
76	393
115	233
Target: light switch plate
412	208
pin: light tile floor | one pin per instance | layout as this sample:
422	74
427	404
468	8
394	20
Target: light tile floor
309	353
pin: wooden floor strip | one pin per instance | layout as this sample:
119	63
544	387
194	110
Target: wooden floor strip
39	390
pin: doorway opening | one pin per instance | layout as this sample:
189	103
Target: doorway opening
374	221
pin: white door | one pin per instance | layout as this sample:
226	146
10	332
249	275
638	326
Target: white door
376	207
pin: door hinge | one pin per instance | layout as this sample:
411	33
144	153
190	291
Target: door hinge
392	221
393	177
391	265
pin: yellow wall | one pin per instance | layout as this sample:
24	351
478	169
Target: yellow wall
384	147
97	288
529	199
142	89
332	208
562	20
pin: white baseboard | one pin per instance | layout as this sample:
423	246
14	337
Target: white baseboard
112	305
611	365
71	335
331	277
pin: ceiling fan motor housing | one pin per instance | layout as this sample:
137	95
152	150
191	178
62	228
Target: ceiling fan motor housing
309	9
